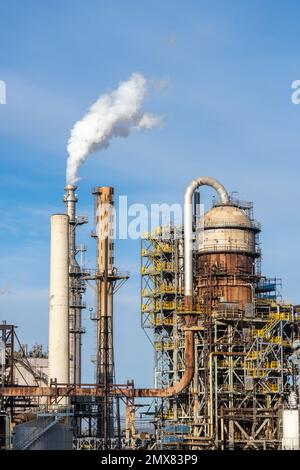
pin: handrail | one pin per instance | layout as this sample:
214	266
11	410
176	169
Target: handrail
35	435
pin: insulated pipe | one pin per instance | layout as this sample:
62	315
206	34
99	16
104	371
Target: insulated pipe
188	228
59	300
188	286
114	389
185	379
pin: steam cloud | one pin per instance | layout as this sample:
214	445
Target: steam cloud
115	114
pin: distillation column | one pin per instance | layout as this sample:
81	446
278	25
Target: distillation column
104	198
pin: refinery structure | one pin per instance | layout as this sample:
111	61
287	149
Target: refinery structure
226	346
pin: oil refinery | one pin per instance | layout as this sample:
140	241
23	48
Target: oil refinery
226	346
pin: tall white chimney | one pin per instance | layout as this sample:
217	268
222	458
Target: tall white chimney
59	299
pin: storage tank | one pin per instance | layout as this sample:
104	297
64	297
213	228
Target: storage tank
225	261
290	426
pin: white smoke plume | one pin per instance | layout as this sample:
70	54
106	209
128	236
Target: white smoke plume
114	114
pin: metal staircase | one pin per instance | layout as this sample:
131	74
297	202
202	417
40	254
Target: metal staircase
37	433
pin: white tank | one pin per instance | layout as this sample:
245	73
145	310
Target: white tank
59	299
290	424
227	228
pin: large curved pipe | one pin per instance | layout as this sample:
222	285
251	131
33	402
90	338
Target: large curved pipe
188	228
63	391
185	379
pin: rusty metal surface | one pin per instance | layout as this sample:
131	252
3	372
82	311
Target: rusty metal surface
183	382
229	275
55	391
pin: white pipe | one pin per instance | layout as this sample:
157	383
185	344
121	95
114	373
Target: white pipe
188	225
59	299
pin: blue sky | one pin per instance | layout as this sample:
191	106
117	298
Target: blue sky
228	113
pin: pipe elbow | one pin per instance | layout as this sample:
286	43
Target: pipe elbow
185	379
206	181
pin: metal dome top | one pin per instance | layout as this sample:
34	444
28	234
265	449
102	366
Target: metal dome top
226	215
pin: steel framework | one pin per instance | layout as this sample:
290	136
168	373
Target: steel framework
242	374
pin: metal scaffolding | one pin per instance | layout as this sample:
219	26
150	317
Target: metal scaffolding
242	374
162	301
226	350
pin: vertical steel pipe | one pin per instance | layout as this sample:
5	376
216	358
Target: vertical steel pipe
70	200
